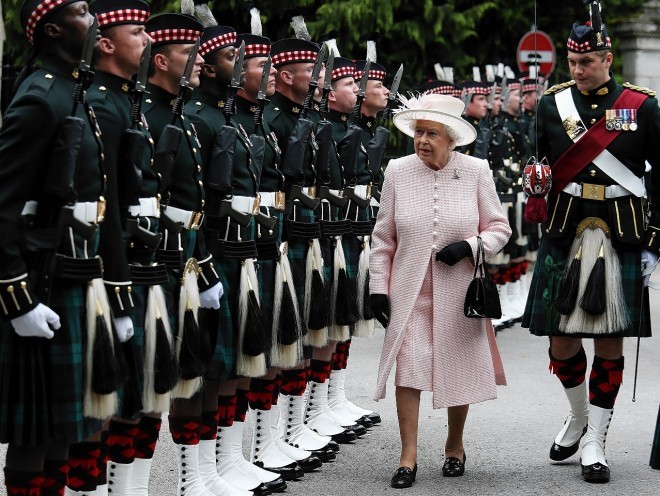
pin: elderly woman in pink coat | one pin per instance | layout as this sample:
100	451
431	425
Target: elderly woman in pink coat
434	205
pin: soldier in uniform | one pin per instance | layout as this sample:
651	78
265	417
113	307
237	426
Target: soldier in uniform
52	297
475	96
131	179
175	38
597	247
361	209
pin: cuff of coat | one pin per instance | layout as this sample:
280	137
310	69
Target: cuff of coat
16	297
208	277
652	241
120	296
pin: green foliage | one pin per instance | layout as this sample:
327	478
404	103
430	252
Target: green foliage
419	33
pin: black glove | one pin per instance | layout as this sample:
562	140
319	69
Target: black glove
380	304
455	252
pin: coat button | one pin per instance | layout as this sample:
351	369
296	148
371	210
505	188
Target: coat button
592	172
434	247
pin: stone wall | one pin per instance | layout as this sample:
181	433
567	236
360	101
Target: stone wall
639	47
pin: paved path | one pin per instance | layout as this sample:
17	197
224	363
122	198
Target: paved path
507	440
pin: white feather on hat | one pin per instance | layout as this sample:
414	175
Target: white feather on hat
255	22
443	109
300	28
439	72
202	10
371	51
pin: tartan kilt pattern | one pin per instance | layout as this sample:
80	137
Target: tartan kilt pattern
223	324
135	346
42	381
297	253
266	268
352	244
551	265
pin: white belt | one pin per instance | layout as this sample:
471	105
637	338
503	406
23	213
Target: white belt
270	199
594	191
148	207
336	192
244	204
363	191
92	212
374	202
190	219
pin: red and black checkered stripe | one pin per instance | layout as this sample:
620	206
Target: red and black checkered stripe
257	50
175	35
373	74
122	16
294	56
574	46
39	12
342	72
217	42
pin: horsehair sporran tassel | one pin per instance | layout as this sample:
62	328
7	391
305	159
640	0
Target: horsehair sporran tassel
363	328
593	299
188	384
100	406
340	298
250	360
316	300
567	300
615	318
160	367
286	344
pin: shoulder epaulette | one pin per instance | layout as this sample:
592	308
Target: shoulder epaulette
639	89
558	87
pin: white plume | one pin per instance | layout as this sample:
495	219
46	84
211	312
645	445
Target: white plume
255	22
371	51
300	28
439	72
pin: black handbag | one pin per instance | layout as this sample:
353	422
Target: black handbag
482	299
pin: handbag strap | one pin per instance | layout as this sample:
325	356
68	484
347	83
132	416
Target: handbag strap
481	258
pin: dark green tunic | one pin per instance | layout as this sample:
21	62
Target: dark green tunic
633	149
34	407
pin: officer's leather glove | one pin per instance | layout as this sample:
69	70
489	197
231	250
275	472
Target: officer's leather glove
380	304
211	297
123	328
37	323
455	252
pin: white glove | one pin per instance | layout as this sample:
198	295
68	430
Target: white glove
37	323
123	327
211	297
649	261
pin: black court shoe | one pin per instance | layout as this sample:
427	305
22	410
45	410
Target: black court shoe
453	467
404	477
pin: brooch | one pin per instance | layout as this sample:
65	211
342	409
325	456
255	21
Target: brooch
457	174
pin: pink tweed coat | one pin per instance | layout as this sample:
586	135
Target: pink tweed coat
421	212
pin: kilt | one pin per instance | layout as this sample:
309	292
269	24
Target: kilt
134	347
42	381
552	263
297	255
223	324
266	266
352	244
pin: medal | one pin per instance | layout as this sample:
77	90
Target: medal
633	119
609	120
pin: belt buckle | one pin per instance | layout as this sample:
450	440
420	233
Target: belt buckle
256	205
196	221
368	192
311	191
100	210
593	191
280	200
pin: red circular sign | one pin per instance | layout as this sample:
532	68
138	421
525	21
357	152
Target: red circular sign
536	47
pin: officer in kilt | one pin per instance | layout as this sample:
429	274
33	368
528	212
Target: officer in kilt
175	70
128	153
597	249
57	322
